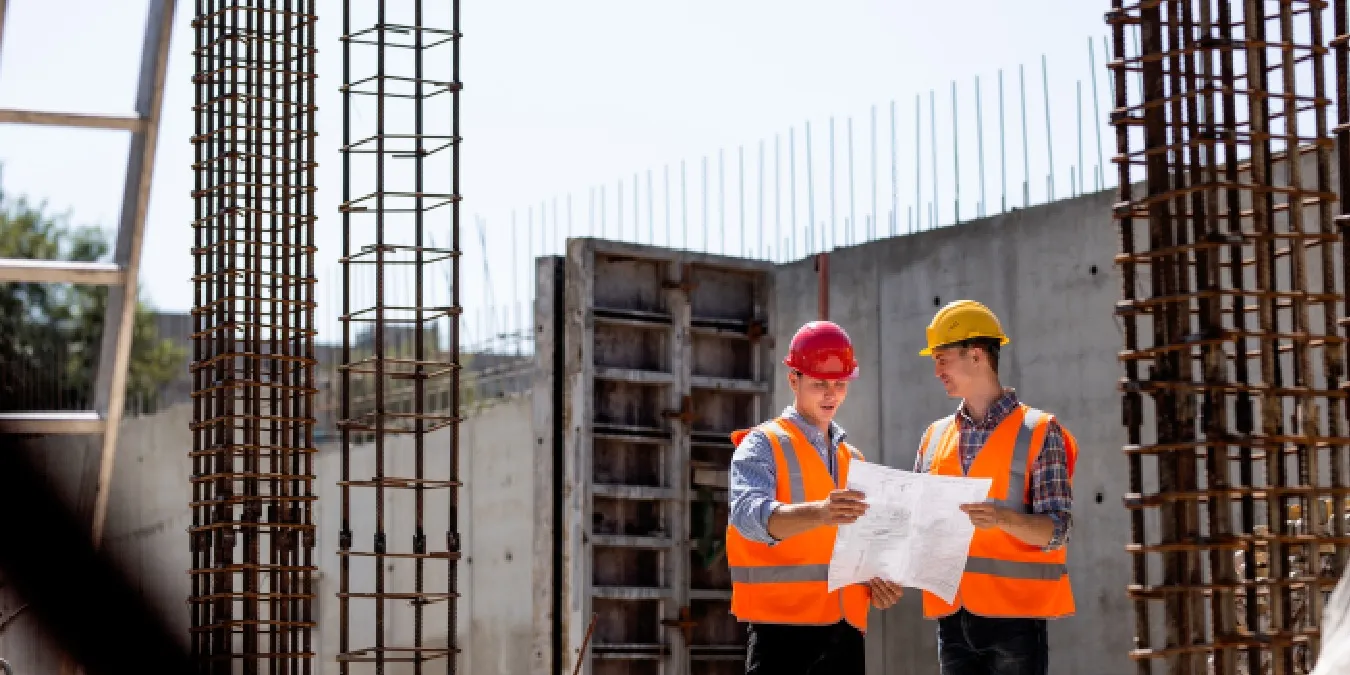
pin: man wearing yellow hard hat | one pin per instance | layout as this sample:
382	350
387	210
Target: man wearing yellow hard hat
1015	577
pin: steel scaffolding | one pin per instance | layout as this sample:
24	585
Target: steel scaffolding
400	460
252	534
1234	406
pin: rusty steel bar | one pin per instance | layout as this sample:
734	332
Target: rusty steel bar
1340	44
252	534
400	356
1236	438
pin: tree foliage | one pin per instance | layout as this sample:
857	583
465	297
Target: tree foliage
51	334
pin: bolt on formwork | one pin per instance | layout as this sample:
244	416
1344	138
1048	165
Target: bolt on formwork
1233	389
399	545
252	534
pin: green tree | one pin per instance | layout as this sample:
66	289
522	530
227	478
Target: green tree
50	334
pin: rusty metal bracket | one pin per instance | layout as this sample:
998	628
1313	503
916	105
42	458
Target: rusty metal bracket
685	624
585	643
686	283
684	414
756	330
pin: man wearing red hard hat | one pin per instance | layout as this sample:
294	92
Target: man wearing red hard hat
787	500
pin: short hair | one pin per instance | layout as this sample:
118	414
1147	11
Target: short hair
990	346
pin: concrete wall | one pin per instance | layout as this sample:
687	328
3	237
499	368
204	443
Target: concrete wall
1047	272
146	527
147	530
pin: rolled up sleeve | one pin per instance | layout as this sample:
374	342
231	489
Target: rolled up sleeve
1051	491
752	487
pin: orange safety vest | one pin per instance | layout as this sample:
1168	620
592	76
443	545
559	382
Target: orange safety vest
786	583
1004	576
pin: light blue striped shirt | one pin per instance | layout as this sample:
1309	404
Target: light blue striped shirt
753	483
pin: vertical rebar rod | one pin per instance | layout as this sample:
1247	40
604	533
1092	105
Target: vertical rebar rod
721	201
829	241
1026	142
918	163
792	188
1049	140
810	195
740	188
979	143
1079	109
895	177
684	208
852	193
760	209
956	161
778	198
1100	174
705	203
252	537
1002	149
665	179
932	122
871	234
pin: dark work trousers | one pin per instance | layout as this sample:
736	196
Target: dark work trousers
977	645
776	649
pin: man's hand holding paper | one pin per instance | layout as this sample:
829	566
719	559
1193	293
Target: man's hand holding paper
913	531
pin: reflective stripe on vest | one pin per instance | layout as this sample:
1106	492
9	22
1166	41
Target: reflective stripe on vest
777	574
796	488
1016	570
935	440
1018	471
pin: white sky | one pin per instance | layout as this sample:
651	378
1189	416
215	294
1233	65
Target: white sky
561	97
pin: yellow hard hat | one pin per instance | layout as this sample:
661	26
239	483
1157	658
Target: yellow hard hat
962	320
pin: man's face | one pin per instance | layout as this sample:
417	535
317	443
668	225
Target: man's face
819	400
956	368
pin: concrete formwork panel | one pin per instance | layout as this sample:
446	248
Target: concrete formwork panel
663	354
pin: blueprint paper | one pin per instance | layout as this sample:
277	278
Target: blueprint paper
913	534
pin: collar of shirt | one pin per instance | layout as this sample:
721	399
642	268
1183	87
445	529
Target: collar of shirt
813	433
998	411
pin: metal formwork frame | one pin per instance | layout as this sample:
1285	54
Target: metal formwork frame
120	275
663	356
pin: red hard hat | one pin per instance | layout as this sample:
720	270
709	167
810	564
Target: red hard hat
821	349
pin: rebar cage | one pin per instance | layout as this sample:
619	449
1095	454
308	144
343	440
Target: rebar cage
400	318
1233	389
252	534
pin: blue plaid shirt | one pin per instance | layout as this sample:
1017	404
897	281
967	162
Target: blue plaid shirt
753	483
1051	493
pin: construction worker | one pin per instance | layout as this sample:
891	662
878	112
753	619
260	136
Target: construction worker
787	501
1015	578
